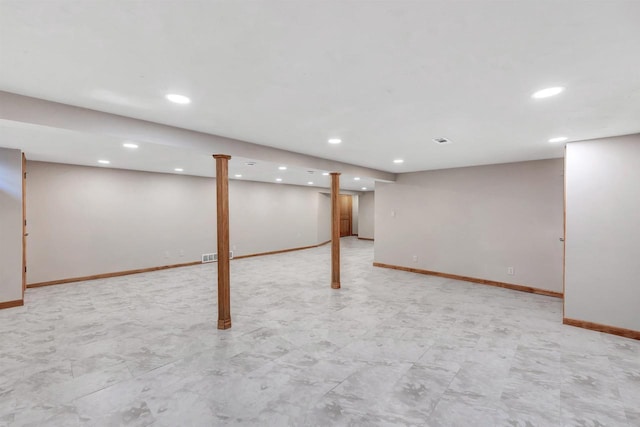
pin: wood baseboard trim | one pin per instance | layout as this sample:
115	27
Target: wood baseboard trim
11	304
108	275
365	238
513	287
281	251
614	330
146	270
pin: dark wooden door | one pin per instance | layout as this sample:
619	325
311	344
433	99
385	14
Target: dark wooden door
345	215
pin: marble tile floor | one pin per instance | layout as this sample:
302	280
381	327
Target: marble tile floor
390	348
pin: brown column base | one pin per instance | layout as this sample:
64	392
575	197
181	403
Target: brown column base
224	324
335	285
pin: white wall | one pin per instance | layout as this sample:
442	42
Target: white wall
367	215
476	222
324	217
269	217
603	231
90	220
10	225
355	201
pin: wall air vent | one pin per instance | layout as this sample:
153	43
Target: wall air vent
441	141
209	257
214	257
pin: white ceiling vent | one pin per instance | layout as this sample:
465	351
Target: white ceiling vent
441	141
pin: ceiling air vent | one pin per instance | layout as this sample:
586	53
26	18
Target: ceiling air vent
441	141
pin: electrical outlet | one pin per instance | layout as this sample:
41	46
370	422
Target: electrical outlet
511	271
415	258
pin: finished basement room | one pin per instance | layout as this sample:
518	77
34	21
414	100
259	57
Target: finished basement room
320	213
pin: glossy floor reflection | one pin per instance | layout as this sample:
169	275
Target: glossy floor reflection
389	348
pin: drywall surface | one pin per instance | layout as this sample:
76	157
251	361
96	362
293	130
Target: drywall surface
10	225
324	217
89	220
366	215
603	231
355	201
270	217
476	222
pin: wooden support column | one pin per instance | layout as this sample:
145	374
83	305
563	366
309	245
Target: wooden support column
335	230
222	201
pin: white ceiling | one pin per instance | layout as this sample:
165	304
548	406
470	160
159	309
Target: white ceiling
384	76
72	148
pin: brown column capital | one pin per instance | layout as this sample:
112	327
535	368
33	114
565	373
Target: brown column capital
222	156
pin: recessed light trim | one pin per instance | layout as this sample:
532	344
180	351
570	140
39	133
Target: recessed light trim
325	173
547	92
238	175
558	139
250	163
179	170
398	161
130	145
357	178
178	99
364	188
310	183
282	168
334	141
104	162
441	141
278	179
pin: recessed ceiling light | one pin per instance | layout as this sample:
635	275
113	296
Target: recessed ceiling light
238	175
282	168
545	93
364	188
250	163
279	179
335	141
558	139
398	161
104	162
179	170
325	173
178	99
130	145
441	141
357	178
310	183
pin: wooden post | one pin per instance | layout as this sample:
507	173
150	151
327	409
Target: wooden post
335	230
222	201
